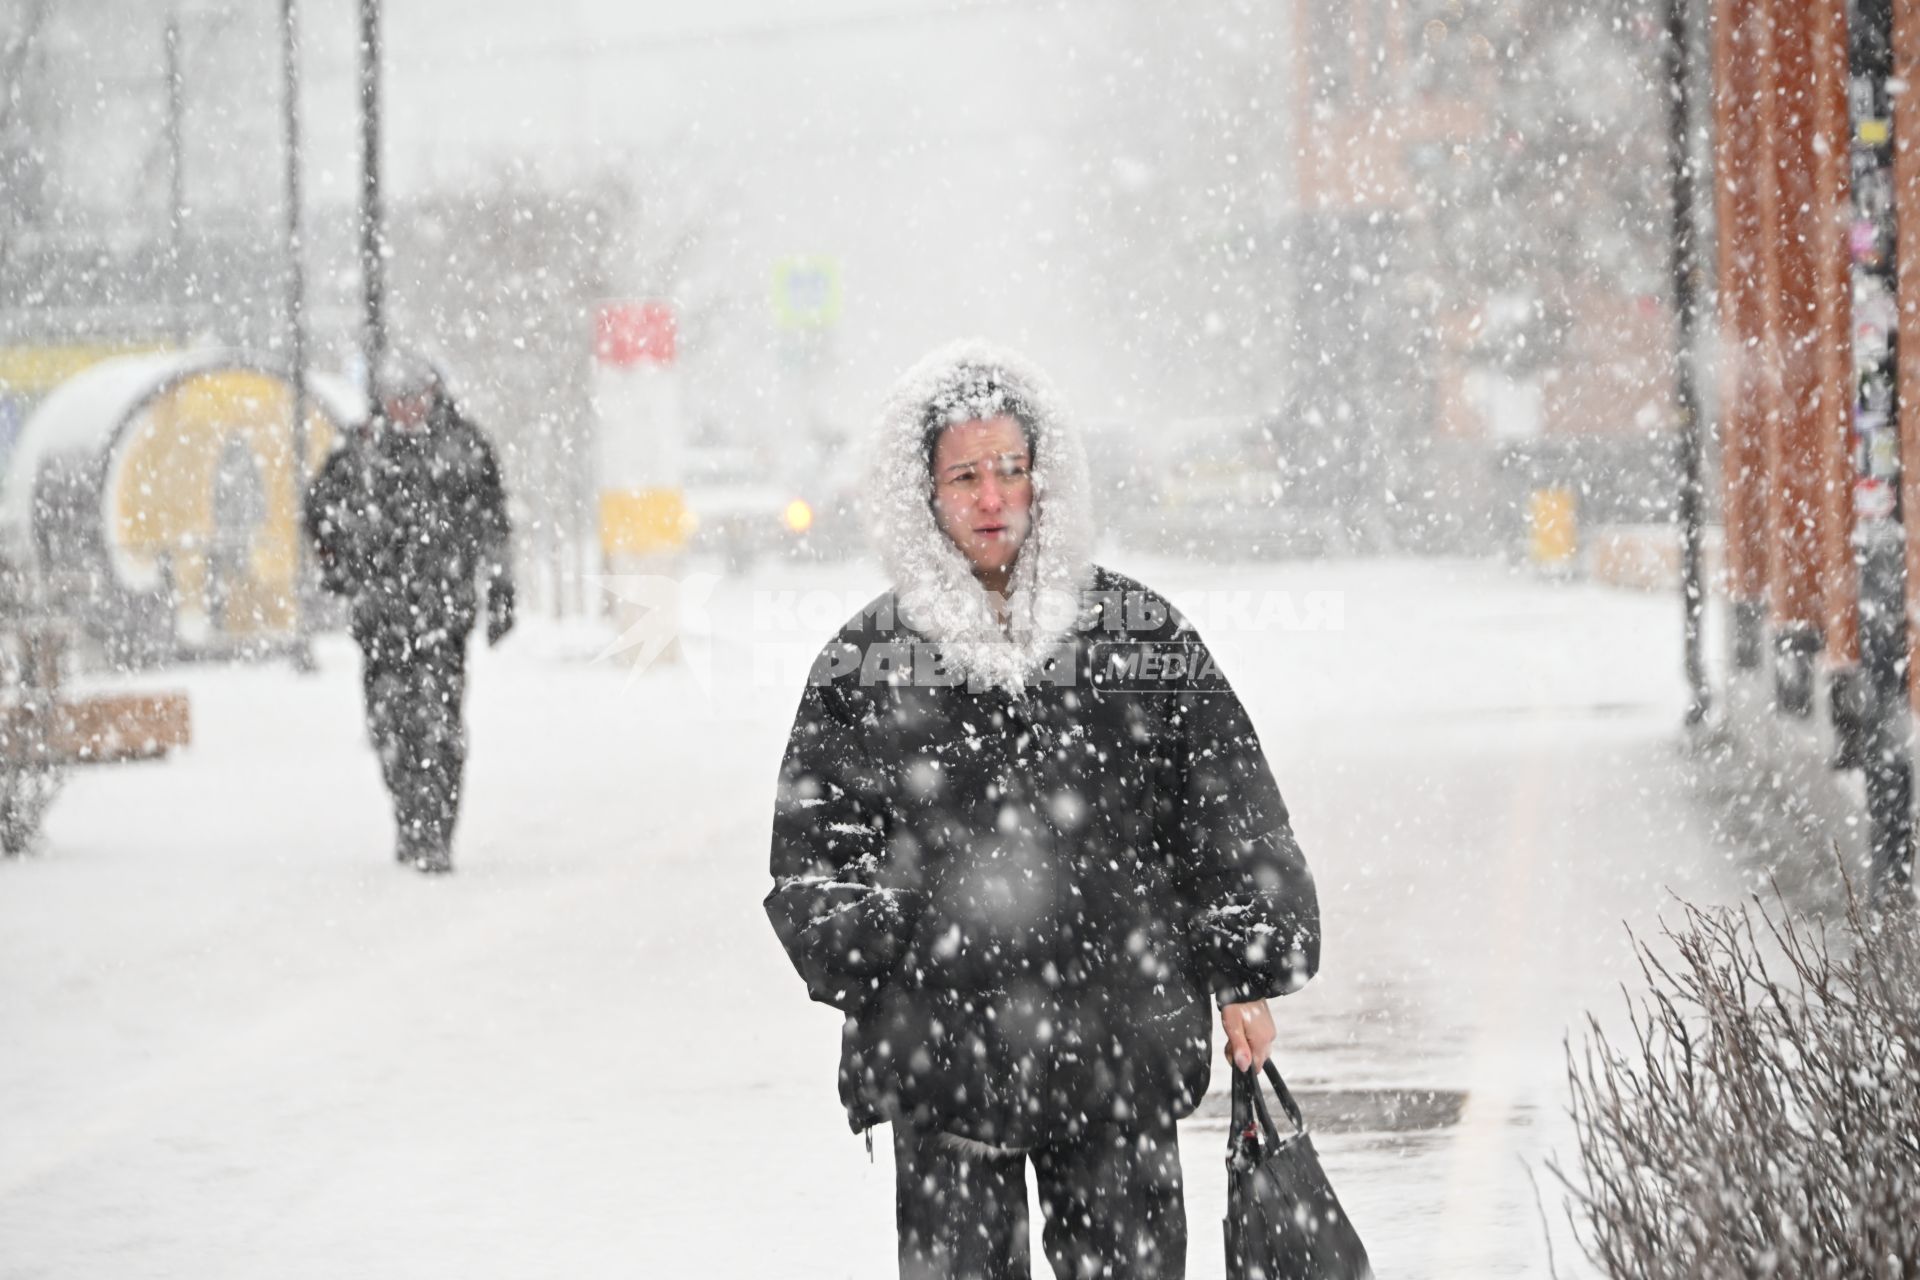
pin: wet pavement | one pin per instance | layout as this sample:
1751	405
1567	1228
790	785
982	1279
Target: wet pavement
1489	778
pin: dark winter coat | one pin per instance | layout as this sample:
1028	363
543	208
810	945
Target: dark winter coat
1022	871
406	522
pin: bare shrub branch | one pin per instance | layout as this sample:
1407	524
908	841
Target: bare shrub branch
1761	1115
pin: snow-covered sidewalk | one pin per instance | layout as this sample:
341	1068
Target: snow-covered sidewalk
239	1042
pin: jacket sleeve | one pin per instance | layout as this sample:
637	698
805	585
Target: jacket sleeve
1256	926
843	930
494	530
329	521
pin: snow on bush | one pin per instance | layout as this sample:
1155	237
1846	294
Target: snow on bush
1765	1118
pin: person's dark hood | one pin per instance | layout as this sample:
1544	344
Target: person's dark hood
937	593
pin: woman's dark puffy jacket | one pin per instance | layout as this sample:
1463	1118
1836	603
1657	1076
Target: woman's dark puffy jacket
1022	899
1019	842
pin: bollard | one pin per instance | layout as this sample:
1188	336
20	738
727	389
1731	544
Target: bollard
643	534
1552	527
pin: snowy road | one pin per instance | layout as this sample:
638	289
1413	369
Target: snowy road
239	1042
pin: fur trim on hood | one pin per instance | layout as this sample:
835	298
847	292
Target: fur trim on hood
936	593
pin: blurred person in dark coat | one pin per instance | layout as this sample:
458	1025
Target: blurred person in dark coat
408	520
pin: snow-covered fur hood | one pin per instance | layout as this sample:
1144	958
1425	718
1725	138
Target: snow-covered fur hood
936	593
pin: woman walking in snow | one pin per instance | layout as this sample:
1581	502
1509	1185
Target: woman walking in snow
1024	833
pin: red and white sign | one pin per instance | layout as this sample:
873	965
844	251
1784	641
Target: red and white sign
626	334
636	400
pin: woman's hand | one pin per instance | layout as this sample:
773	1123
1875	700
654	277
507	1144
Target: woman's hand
1249	1029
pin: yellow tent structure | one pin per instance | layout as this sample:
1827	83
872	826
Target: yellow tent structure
156	493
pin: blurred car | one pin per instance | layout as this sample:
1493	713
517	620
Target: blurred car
740	512
736	511
1232	490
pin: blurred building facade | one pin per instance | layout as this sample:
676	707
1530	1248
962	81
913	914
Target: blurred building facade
1479	301
1408	244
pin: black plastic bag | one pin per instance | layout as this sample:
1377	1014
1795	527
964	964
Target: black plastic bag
1283	1220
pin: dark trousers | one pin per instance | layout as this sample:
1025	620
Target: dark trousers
414	688
1112	1203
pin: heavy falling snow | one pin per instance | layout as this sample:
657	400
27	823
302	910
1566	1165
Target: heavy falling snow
441	444
250	1049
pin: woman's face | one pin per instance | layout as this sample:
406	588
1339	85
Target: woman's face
983	491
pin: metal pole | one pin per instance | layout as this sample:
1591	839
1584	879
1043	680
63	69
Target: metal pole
372	235
1880	537
1683	269
15	62
176	179
296	324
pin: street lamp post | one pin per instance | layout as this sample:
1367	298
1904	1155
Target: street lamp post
296	323
176	179
1683	270
372	232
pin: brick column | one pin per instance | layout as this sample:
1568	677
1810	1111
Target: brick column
1743	392
1791	303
